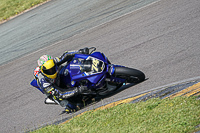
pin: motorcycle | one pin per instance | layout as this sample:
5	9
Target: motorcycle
97	73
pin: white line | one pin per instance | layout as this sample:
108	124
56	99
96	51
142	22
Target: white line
95	26
117	17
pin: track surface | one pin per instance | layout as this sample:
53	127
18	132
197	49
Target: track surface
161	39
58	20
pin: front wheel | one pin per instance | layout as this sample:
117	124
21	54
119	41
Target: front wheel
131	75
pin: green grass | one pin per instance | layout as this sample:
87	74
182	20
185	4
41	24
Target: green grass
9	8
178	115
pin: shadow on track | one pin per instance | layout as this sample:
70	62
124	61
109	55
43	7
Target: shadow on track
95	99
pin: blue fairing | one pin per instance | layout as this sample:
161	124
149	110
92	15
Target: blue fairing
82	56
96	78
98	55
74	70
34	84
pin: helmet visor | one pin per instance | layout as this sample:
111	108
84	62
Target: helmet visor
50	71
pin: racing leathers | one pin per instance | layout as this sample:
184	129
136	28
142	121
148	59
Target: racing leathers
51	87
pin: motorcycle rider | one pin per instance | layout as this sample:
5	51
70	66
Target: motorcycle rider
48	79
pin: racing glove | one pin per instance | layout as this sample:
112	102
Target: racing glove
65	58
84	51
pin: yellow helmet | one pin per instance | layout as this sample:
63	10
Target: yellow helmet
49	69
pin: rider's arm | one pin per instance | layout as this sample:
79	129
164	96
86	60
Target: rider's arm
65	57
69	55
48	88
44	85
69	92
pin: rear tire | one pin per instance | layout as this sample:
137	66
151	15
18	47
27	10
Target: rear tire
131	75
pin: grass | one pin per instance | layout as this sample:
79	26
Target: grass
9	8
178	115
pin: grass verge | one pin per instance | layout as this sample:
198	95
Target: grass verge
9	8
178	115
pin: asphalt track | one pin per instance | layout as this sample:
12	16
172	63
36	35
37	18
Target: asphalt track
161	39
58	20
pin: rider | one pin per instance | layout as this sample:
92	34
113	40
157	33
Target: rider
48	79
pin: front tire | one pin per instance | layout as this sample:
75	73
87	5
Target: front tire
131	75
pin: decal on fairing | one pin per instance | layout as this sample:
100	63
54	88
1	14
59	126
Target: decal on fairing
97	66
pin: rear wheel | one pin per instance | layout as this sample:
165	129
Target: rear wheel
131	75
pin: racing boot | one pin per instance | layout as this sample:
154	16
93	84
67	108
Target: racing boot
70	108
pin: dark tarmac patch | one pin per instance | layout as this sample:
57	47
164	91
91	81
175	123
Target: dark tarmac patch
191	88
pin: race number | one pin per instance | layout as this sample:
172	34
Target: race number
97	66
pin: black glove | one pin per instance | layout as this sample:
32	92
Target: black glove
84	50
56	93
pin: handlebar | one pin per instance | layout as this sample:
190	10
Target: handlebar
94	49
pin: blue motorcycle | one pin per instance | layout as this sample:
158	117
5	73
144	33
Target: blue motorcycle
97	73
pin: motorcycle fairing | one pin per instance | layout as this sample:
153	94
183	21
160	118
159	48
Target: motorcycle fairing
35	84
98	55
90	67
